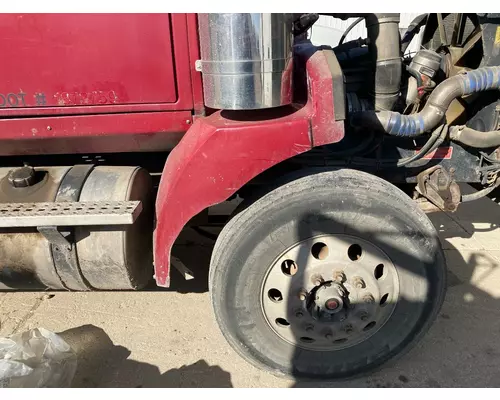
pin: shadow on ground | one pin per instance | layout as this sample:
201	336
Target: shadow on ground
462	348
104	364
195	251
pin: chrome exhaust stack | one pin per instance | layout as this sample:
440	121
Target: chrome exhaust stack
246	60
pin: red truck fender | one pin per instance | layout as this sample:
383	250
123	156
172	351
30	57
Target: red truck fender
219	154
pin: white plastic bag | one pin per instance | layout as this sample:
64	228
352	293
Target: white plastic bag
36	358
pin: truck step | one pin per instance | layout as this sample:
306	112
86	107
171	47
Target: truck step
15	215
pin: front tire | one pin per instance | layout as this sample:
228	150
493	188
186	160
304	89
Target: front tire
327	276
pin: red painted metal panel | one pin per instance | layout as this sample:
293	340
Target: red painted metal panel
94	63
218	155
194	54
102	133
214	159
181	55
102	109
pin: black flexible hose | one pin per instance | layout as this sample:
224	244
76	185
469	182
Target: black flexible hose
432	144
436	139
473	138
303	23
481	193
349	29
441	139
352	44
412	30
416	75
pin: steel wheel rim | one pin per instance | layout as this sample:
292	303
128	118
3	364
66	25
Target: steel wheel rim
329	292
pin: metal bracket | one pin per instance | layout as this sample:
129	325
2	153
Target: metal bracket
437	185
72	184
65	257
186	273
52	234
66	263
197	65
496	123
442	32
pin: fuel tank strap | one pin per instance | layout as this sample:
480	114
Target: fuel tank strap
72	183
65	257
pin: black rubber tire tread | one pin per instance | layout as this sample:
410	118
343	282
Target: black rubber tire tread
357	189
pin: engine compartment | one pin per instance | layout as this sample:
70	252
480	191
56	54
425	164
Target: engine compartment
392	136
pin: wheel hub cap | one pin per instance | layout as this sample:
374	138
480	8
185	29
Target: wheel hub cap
332	304
329	292
327	300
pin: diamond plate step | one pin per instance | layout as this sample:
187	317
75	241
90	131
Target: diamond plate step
13	215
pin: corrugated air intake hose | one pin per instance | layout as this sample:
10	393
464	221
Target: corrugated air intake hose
432	114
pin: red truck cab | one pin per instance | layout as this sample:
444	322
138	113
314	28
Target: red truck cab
97	83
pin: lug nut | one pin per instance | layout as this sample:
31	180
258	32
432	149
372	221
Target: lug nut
299	314
363	316
317	280
368	299
348	328
358	283
328	336
303	295
309	328
339	276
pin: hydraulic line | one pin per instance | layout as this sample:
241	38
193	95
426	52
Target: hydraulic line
432	144
480	193
349	29
412	30
436	139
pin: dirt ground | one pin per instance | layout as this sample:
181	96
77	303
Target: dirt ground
168	338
